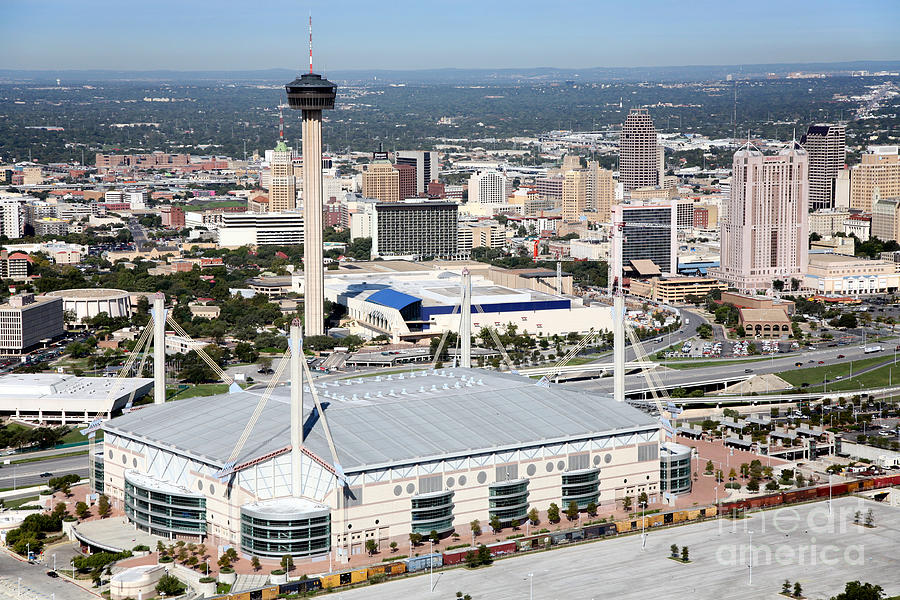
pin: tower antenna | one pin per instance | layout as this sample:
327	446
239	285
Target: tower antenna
310	43
280	123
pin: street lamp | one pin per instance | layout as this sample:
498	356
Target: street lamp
750	563
531	586
431	565
54	561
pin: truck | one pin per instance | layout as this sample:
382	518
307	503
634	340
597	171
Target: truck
871	349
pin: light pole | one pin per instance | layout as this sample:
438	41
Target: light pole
750	563
829	494
717	502
531	586
431	565
54	561
643	523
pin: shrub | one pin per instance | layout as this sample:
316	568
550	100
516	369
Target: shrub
207	580
170	586
141	548
278	572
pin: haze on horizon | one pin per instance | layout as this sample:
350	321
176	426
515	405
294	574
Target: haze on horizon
406	34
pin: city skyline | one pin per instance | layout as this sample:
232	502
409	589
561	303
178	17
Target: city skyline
236	36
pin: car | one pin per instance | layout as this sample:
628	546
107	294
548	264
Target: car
821	362
840	356
748	370
52	574
798	364
46	475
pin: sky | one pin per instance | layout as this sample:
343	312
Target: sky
424	34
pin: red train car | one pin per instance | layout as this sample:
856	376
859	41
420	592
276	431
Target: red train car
500	548
454	557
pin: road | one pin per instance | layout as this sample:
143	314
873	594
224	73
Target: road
28	474
677	378
137	233
35	584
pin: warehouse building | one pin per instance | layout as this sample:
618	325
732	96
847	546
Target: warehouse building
412	452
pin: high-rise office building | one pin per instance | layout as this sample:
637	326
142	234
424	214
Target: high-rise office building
406	180
312	94
886	218
574	197
599	190
427	164
765	227
879	168
649	232
638	151
418	228
12	218
826	146
27	322
283	188
489	187
381	181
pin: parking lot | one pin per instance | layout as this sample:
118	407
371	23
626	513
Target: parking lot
797	543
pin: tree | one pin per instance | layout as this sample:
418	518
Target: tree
674	550
254	562
870	518
592	509
709	467
745	470
475	526
371	546
626	504
553	513
798	590
684	553
82	511
433	535
393	546
753	485
103	507
415	538
643	499
572	511
287	563
854	590
732	475
471	559
495	523
786	587
484	555
170	586
533	516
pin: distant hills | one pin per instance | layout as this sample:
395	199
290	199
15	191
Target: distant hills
461	76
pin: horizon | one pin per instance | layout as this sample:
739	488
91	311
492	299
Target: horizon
410	36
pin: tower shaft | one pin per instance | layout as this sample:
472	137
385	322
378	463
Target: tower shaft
159	349
313	272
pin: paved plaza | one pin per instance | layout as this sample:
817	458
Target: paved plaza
796	543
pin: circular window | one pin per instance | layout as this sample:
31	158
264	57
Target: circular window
648	477
377	521
124	460
624	481
134	462
560	465
482	477
410	488
450	482
349	525
597	461
110	454
531	470
607	459
549	467
200	485
462	480
398	489
212	489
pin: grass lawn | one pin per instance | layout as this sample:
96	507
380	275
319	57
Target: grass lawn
211	205
75	436
812	375
201	389
20	502
880	377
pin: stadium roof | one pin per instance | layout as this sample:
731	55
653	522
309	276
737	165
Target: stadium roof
389	420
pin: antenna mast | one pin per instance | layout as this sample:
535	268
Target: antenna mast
280	123
310	43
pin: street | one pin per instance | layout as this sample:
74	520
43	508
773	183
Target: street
28	474
34	583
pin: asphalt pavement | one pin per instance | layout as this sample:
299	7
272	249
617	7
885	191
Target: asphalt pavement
21	580
28	474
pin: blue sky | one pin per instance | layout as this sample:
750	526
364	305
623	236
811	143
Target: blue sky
404	34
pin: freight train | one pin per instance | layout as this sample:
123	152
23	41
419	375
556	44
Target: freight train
546	539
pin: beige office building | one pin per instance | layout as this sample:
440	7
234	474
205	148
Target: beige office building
382	182
765	227
849	275
600	190
878	168
573	202
26	322
886	219
639	157
827	148
827	221
283	188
